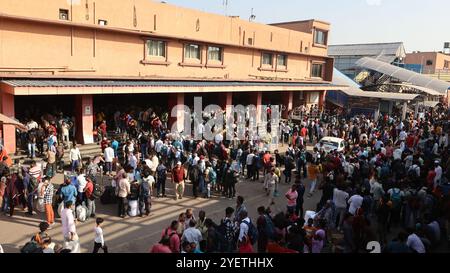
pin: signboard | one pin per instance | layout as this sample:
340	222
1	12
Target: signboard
87	110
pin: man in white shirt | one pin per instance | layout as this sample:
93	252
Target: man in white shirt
32	125
75	157
340	202
244	226
438	170
68	221
109	158
192	234
99	241
249	163
355	202
158	146
81	179
415	243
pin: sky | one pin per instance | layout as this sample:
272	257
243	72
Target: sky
423	25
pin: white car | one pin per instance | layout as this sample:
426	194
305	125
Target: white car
331	144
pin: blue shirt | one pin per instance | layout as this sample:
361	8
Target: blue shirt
115	146
69	193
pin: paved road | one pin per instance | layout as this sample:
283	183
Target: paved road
137	235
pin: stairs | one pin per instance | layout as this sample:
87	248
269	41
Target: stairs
89	150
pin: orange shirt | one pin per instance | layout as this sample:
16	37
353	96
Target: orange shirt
8	160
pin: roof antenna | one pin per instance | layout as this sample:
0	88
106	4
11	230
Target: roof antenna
225	6
252	16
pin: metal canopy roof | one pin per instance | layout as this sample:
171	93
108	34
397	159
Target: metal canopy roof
129	83
404	75
382	49
355	91
420	88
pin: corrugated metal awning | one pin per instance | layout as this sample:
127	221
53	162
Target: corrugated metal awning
404	75
355	91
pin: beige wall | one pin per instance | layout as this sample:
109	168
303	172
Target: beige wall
437	58
81	49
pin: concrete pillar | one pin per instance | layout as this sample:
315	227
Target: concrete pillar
176	100
256	99
9	131
322	95
226	103
288	102
84	107
416	110
405	108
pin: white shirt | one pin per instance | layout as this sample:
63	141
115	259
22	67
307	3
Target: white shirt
195	160
192	235
218	138
243	229
340	198
438	176
1	249
99	236
74	154
415	243
158	145
355	203
68	222
81	182
250	159
32	125
109	154
398	154
402	135
149	163
155	162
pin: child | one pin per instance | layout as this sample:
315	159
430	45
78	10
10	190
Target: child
99	242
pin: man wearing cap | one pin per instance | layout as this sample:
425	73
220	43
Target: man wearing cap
178	176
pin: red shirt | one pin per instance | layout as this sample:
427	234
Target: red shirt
103	128
410	141
304	132
276	248
178	174
174	239
159	248
89	189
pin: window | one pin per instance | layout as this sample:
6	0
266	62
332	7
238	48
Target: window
320	37
316	70
250	41
192	51
282	60
429	62
63	14
215	53
156	48
267	59
447	64
102	22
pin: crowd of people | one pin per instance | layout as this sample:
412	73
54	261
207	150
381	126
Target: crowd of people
392	176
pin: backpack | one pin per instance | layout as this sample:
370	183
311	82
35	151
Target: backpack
162	174
134	191
98	191
30	247
252	232
396	197
385	171
81	213
414	201
212	174
144	189
269	228
33	184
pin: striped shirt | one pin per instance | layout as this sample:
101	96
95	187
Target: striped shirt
35	172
